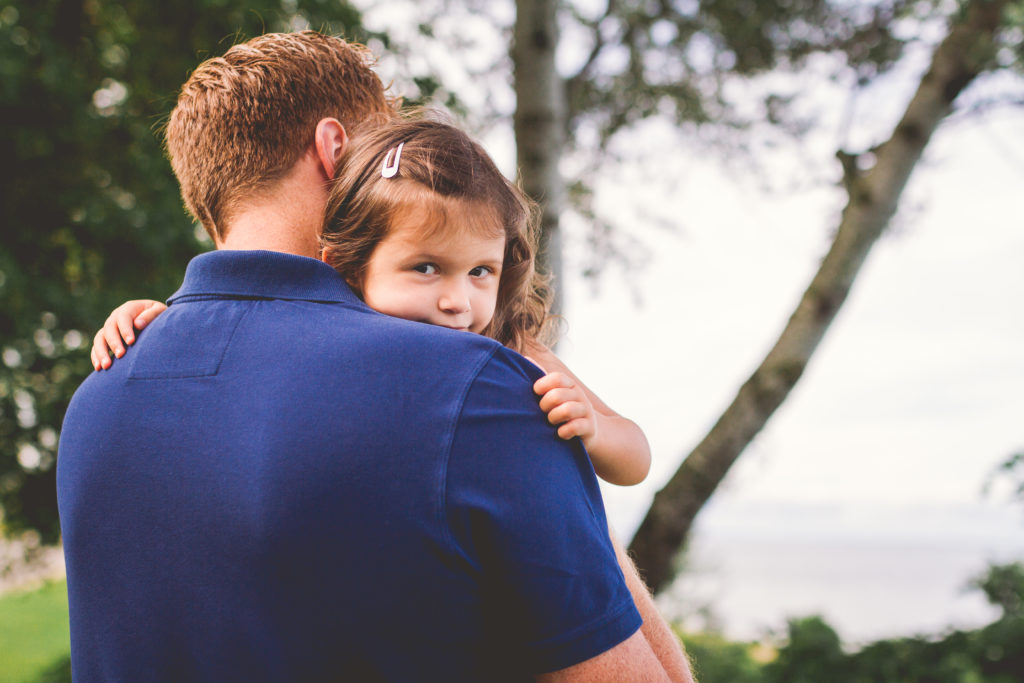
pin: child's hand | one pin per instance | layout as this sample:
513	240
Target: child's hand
567	405
119	329
617	446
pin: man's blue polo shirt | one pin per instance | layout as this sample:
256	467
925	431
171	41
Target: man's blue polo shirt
278	483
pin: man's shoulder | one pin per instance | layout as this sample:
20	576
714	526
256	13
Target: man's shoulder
406	351
388	335
507	368
501	412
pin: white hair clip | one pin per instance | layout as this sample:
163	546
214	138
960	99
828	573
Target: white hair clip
390	170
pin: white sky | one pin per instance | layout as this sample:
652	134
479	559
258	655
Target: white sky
861	499
914	395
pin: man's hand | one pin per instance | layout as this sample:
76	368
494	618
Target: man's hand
119	329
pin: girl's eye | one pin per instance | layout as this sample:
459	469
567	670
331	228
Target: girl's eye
426	268
481	271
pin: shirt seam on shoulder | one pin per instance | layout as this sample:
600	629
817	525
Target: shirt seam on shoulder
231	338
196	375
447	451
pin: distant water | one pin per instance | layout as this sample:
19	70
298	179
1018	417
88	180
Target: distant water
894	571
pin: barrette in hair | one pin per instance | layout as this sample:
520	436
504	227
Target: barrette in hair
390	170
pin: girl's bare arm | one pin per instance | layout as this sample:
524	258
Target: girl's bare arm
617	446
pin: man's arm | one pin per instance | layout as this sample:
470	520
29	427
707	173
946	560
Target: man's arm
525	507
654	653
631	660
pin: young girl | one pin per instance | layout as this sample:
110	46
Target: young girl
423	226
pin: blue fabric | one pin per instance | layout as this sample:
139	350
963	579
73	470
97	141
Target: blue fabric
278	484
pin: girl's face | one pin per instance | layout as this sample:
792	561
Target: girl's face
444	275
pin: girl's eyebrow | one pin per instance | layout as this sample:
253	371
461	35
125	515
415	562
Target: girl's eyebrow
424	256
440	256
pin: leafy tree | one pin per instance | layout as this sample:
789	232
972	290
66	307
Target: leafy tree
669	60
812	654
90	209
999	647
874	180
812	651
917	659
1003	585
716	660
1010	471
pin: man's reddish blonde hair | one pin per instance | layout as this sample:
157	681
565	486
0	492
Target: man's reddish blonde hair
244	119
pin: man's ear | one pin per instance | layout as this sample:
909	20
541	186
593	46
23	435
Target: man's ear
331	141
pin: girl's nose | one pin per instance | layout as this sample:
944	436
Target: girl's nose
454	300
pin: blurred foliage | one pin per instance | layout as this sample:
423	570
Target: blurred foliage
683	60
812	651
1009	473
675	58
716	659
1003	585
90	209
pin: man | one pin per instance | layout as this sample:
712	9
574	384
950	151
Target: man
279	483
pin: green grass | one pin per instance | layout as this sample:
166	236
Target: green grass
34	633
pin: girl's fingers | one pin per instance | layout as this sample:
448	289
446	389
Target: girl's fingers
99	345
566	412
581	428
125	328
100	351
112	335
567	431
550	381
149	315
554	397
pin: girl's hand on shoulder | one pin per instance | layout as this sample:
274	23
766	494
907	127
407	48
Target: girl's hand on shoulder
617	446
119	329
568	406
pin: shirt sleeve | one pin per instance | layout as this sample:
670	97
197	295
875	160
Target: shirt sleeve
525	510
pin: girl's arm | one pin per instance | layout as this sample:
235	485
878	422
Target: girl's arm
617	446
119	329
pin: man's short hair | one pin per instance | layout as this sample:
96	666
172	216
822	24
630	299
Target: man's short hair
244	119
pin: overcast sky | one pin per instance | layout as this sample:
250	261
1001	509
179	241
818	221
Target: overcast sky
915	393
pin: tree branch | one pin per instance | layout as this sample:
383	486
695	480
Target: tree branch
873	198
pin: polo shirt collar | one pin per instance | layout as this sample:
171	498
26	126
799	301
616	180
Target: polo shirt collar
262	275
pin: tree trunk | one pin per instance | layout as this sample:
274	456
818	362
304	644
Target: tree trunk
540	124
873	198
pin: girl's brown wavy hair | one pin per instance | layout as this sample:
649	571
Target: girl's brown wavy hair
438	162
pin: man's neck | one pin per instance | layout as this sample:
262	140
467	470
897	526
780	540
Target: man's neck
270	230
286	217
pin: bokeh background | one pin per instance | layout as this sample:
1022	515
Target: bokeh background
699	179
